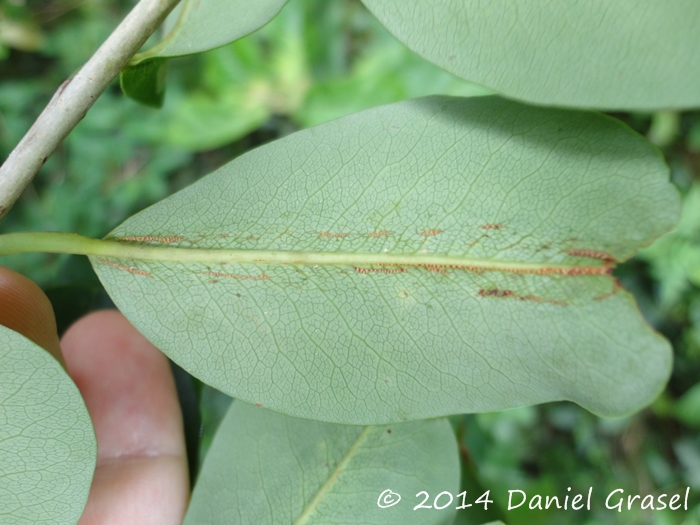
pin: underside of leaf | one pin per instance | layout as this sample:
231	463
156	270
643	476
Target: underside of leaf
48	451
280	469
424	258
626	54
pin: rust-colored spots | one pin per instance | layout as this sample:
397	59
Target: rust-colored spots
148	238
333	235
434	268
251	238
592	254
544	270
493	226
259	405
261	277
382	233
495	292
581	270
129	269
380	270
430	233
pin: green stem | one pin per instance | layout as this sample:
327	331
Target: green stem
27	242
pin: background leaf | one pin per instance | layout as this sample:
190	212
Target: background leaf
194	26
199	25
48	450
307	66
267	468
675	258
627	54
500	215
145	82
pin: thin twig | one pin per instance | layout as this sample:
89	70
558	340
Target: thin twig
75	96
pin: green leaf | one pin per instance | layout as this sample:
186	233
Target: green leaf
48	450
627	54
242	84
429	257
675	258
282	70
194	26
201	25
267	468
687	408
145	82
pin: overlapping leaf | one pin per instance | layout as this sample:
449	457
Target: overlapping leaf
193	27
47	444
429	257
267	468
626	54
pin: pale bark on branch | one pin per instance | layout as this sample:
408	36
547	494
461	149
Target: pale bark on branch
75	96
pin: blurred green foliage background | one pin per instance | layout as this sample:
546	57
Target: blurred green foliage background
316	61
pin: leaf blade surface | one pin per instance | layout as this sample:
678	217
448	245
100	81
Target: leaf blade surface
429	257
193	27
267	468
48	451
576	53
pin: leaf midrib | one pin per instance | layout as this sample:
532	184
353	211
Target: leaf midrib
332	478
54	242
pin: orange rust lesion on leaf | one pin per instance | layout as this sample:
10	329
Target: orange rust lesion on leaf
149	238
129	269
434	268
251	238
333	235
261	277
380	270
493	226
592	254
544	270
430	233
382	233
495	292
572	271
